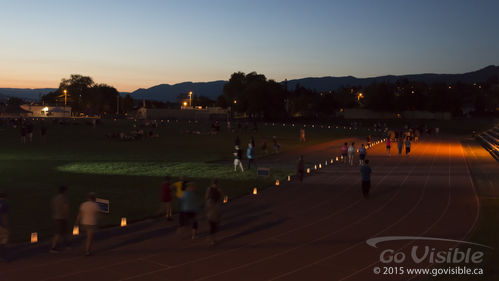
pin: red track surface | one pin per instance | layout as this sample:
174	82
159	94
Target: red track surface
316	230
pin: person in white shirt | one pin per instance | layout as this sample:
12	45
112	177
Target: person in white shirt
87	218
351	153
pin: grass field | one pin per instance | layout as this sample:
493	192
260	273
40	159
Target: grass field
128	173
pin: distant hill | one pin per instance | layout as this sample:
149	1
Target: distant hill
166	92
3	98
332	83
27	94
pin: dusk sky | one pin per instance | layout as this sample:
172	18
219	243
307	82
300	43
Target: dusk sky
139	44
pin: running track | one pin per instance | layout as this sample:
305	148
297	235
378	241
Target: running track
314	230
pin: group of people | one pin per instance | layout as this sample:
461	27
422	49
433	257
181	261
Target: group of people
26	130
250	152
402	141
348	153
189	205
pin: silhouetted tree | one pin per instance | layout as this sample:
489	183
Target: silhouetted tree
254	95
127	103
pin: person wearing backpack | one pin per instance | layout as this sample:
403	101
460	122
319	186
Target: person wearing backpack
213	208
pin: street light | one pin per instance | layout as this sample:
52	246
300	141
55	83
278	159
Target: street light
65	97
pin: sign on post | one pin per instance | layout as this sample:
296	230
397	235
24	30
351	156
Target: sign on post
103	205
263	172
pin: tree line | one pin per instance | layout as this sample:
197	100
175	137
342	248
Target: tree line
254	96
87	97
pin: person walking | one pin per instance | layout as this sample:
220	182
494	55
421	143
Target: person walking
351	153
188	209
60	209
276	144
362	154
213	208
179	186
388	145
4	226
166	198
407	146
300	168
87	218
238	155
365	172
344	152
302	135
400	143
249	155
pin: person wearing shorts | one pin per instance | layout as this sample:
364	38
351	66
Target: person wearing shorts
362	154
87	218
351	153
407	146
238	156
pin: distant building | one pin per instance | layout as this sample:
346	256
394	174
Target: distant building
41	111
184	113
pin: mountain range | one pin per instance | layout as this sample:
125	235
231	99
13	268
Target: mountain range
167	92
26	94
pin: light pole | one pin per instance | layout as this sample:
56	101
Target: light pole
65	97
190	98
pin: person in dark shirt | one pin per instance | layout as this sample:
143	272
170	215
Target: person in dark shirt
365	172
213	202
